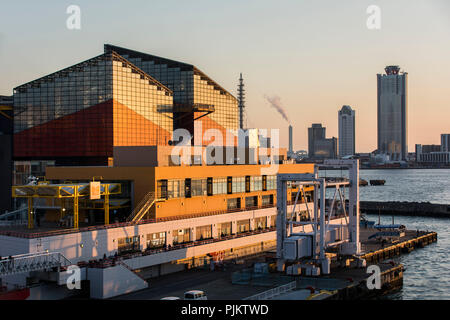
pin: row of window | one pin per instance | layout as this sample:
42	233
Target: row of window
159	239
179	188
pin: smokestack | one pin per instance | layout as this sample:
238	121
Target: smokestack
290	139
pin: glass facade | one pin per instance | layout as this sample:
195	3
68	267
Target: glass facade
176	188
87	109
191	89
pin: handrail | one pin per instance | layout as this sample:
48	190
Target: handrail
269	294
143	206
128	223
32	262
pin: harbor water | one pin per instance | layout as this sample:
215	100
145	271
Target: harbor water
427	275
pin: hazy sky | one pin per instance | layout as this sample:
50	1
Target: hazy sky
316	55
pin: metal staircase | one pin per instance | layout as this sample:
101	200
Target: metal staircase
143	207
32	262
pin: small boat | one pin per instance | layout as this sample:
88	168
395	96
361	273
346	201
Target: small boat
363	183
377	182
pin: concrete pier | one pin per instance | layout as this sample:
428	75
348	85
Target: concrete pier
405	209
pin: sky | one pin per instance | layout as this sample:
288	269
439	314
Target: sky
315	55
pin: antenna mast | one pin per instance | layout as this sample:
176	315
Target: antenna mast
241	102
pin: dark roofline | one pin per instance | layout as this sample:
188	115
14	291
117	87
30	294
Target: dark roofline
103	56
169	62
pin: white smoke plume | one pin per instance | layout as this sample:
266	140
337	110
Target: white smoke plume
275	102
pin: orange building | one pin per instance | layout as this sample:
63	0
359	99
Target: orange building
186	190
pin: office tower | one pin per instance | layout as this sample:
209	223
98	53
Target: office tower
319	147
393	113
316	132
346	118
445	142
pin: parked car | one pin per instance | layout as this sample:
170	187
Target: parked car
195	295
170	298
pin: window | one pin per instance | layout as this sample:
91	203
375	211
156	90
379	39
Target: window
181	236
219	186
243	226
224	229
238	184
271	182
175	189
294	195
203	232
273	221
267	200
198	187
156	240
260	223
251	202
233	203
128	244
162	189
256	183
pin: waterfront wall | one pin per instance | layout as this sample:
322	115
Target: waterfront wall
405	208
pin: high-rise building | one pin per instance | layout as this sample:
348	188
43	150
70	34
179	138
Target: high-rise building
319	147
393	113
445	142
346	118
316	132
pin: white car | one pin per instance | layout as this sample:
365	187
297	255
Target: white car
195	295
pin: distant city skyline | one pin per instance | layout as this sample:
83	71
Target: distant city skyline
315	56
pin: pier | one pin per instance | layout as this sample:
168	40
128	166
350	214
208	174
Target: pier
424	209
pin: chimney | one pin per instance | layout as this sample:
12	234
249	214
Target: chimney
290	139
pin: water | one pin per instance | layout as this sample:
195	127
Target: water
413	185
427	275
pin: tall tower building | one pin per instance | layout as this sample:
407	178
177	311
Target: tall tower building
393	113
346	118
